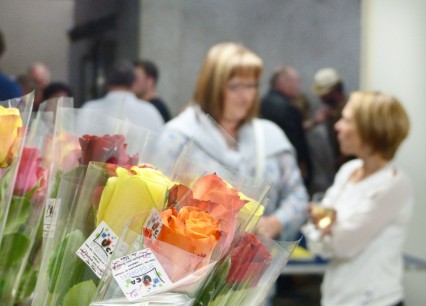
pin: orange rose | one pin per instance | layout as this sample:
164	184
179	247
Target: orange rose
210	193
190	229
186	241
10	126
213	188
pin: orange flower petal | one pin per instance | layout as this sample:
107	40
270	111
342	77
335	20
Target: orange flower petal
190	229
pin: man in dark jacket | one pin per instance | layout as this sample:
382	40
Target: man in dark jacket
277	106
147	76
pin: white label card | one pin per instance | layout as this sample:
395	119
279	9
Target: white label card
98	248
153	225
139	274
51	213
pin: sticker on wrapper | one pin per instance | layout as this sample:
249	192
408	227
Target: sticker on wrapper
51	213
153	225
98	248
139	274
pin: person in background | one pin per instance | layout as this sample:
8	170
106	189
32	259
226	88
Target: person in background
8	88
56	90
329	87
40	76
278	107
121	102
303	105
26	83
370	203
147	76
227	90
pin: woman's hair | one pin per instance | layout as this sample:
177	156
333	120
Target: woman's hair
223	62
381	121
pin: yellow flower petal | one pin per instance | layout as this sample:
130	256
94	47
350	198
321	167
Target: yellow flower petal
250	213
126	195
105	198
10	125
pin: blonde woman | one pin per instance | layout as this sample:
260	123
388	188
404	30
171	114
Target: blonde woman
227	90
372	199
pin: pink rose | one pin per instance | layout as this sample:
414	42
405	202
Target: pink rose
29	172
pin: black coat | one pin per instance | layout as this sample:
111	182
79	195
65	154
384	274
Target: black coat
278	108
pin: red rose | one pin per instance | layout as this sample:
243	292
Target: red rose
248	261
108	149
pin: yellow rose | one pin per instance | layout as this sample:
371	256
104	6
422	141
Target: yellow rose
131	192
159	180
250	213
10	126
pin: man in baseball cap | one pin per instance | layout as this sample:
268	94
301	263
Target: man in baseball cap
325	80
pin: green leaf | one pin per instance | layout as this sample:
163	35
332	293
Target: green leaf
6	284
33	190
81	294
13	249
65	268
28	283
19	212
77	173
56	183
215	284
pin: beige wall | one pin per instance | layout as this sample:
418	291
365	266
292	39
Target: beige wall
394	60
36	30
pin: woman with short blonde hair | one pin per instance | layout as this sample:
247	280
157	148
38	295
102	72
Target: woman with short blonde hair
381	120
371	202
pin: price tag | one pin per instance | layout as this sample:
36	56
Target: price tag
139	274
98	248
51	213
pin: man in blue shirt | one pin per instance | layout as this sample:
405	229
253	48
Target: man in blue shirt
8	88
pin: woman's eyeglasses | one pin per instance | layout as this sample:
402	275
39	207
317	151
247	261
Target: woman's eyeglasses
238	87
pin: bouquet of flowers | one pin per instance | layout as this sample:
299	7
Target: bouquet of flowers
181	245
14	118
250	265
82	136
93	214
74	216
246	273
26	209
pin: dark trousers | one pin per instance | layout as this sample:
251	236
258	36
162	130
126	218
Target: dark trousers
400	304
